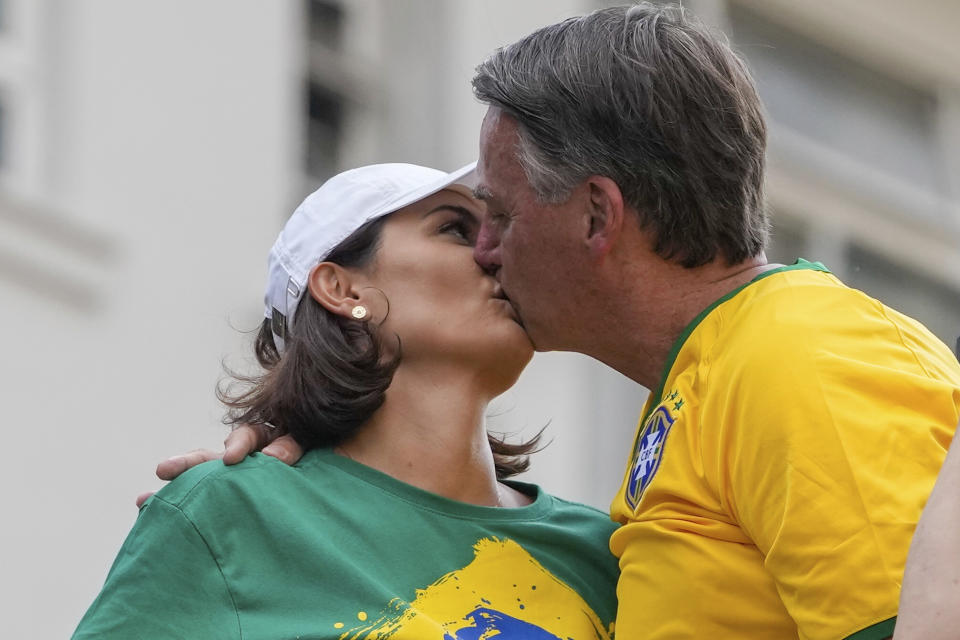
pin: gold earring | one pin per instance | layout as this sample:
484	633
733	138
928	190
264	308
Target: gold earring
359	312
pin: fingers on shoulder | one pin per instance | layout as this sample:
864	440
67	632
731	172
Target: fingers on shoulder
173	467
285	449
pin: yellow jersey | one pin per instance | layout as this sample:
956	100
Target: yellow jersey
780	468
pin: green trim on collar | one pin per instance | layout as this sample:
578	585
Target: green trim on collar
799	265
878	631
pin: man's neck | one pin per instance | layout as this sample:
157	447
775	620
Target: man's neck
650	318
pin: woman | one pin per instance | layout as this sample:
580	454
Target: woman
930	598
381	346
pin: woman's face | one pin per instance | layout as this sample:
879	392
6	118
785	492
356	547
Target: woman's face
443	307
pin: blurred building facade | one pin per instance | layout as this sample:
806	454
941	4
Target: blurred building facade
149	153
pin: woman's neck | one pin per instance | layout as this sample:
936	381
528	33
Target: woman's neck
430	433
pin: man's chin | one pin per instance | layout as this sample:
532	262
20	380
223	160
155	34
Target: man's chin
536	339
544	341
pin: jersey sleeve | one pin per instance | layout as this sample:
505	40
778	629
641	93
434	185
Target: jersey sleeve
165	583
827	460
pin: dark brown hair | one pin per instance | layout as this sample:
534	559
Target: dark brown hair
331	376
651	98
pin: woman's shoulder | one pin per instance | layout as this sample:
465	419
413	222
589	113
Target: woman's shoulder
257	474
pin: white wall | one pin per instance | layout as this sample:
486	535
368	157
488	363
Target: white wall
167	159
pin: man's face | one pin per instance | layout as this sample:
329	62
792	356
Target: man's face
535	250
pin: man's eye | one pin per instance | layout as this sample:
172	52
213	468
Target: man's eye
499	218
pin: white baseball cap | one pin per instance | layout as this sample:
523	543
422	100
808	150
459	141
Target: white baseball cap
330	214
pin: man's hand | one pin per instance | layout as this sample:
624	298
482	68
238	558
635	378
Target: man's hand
242	441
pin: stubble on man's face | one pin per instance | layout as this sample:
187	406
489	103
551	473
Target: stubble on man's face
530	245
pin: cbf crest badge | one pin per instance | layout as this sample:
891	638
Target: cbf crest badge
648	452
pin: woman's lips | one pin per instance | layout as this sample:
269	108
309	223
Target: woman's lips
500	295
504	301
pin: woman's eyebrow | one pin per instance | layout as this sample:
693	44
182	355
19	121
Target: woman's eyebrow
463	212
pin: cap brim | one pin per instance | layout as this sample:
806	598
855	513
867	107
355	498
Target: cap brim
466	176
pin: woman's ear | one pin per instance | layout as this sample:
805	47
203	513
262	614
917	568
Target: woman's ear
605	215
334	288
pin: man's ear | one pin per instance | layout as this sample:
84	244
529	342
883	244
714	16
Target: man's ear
605	215
333	287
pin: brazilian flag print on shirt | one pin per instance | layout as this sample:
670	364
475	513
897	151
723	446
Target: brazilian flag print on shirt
330	548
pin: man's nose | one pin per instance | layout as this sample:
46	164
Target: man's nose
486	252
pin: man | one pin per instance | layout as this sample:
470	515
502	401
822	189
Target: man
795	426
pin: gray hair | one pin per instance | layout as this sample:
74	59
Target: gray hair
654	100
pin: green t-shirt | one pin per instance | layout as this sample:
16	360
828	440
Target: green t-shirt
329	548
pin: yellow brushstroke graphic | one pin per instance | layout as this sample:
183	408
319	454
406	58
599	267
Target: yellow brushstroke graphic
503	593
